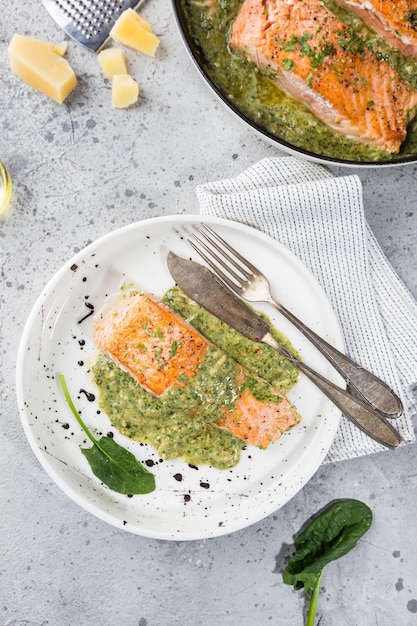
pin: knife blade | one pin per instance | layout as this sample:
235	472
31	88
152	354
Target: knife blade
204	287
201	285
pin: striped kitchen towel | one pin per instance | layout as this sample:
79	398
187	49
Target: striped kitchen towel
320	218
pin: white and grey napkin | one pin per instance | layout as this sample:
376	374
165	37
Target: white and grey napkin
320	218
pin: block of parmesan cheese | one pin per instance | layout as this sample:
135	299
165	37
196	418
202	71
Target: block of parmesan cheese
58	48
112	61
40	64
125	91
131	30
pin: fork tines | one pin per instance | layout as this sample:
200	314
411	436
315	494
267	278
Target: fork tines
215	251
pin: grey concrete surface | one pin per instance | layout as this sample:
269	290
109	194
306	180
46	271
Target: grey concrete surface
79	171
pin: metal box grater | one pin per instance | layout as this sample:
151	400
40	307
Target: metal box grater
88	21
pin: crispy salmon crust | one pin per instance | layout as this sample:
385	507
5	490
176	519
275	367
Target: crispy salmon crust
319	61
160	350
394	20
255	421
145	340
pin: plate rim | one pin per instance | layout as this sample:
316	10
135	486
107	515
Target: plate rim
55	279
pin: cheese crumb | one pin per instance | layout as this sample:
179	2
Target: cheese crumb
40	64
59	48
112	61
125	91
131	30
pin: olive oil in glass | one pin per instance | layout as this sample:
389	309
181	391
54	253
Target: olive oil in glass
5	187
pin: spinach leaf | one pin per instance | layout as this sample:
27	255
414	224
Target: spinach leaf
333	533
115	466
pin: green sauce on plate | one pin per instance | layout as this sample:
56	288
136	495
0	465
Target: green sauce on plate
181	423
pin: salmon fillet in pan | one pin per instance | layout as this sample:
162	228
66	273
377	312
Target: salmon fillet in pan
394	20
319	61
162	351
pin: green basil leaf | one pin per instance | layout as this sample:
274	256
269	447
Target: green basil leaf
329	536
118	468
115	466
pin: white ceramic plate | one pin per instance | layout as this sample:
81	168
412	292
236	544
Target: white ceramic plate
188	503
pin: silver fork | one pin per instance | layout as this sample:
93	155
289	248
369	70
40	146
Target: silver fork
252	285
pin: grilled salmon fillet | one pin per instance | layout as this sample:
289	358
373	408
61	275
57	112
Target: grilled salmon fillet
144	339
164	354
319	61
394	20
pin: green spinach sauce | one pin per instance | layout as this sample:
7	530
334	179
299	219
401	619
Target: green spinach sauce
257	358
260	100
181	423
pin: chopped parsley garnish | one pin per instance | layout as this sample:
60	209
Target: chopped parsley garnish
159	357
175	345
158	332
289	46
316	55
351	41
302	42
412	18
309	77
288	64
147	331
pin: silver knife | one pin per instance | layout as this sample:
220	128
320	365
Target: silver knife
202	286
